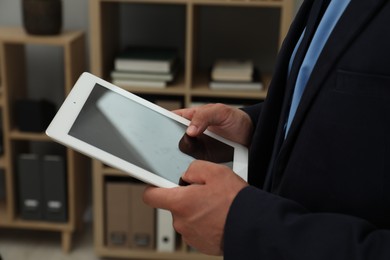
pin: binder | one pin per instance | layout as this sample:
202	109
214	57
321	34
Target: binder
30	186
142	219
166	235
54	188
117	206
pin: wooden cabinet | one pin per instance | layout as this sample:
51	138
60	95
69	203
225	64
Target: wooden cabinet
13	86
202	31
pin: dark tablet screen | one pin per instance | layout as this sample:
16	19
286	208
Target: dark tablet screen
142	136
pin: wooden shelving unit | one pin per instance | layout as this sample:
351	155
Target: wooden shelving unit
13	77
105	43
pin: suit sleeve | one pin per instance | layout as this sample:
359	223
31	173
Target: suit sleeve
253	112
264	226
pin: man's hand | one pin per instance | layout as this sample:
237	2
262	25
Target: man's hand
200	209
231	123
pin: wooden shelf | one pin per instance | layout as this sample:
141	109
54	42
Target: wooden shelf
192	86
13	76
40	225
138	254
201	89
17	35
262	3
27	136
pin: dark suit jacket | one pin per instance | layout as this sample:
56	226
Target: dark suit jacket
326	188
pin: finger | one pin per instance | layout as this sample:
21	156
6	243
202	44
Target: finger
162	198
193	129
204	116
200	120
186	112
199	172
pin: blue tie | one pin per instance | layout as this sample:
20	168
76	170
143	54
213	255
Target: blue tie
331	16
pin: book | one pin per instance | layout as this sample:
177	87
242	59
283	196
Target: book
238	86
254	84
141	75
139	83
146	59
232	70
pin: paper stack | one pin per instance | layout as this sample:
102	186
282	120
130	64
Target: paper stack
145	67
235	75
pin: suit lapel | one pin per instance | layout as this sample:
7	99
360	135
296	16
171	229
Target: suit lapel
355	17
349	26
274	104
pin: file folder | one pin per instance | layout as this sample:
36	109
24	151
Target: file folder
166	235
117	214
142	219
30	186
55	188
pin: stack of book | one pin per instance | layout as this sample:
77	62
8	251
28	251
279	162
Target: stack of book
145	67
235	75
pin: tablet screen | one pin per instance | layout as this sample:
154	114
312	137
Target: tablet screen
142	136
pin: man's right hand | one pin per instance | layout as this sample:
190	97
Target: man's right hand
228	122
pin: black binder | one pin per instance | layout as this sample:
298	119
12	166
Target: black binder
30	186
54	188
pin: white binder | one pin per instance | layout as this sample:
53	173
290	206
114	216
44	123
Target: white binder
166	235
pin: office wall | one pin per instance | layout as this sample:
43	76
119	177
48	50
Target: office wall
46	75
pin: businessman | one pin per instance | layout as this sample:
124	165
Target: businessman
319	162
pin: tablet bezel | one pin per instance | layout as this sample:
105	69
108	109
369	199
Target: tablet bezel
67	114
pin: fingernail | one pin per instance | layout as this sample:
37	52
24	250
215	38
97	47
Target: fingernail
191	130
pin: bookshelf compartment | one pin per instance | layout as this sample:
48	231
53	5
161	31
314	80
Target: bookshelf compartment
24	77
125	18
240	33
20	77
166	29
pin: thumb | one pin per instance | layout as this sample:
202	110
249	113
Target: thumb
208	116
198	125
199	172
159	197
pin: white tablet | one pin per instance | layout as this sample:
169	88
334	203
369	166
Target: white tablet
136	136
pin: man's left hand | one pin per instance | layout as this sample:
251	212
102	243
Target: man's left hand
200	209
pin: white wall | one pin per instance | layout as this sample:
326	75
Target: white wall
45	70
